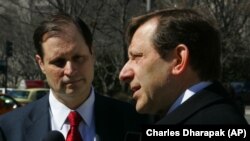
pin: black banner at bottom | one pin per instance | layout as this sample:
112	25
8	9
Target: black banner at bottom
200	132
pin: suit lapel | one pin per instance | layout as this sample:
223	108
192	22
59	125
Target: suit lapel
203	98
106	120
98	113
38	121
101	120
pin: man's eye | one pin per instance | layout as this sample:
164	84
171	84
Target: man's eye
136	56
78	59
59	63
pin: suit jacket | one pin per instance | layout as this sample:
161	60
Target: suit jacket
211	105
114	119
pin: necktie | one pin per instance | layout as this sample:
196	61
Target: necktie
74	120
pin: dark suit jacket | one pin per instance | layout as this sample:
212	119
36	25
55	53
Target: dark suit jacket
32	122
209	106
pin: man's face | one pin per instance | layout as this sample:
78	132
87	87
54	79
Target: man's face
67	64
146	72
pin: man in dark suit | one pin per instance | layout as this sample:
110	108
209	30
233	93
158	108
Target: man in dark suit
66	57
174	68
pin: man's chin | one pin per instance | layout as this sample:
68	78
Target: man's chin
141	108
69	92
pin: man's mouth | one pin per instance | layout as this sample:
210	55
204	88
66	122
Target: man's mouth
72	81
134	89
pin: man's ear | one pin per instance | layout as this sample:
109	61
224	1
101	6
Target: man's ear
40	63
181	55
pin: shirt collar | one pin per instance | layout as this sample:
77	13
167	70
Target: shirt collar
60	112
188	93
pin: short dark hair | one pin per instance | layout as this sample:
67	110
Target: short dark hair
55	23
189	27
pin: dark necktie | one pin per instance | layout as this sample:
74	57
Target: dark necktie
74	120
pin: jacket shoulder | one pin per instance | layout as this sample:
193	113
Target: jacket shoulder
121	110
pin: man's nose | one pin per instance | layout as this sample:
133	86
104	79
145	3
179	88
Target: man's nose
69	68
126	74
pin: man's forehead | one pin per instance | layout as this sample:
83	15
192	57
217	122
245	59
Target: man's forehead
60	31
143	35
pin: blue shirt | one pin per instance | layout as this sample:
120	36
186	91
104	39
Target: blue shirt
188	93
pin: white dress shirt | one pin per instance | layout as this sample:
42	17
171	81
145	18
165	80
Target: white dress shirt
59	113
188	93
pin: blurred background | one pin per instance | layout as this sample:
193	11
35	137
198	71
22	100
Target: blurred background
108	20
